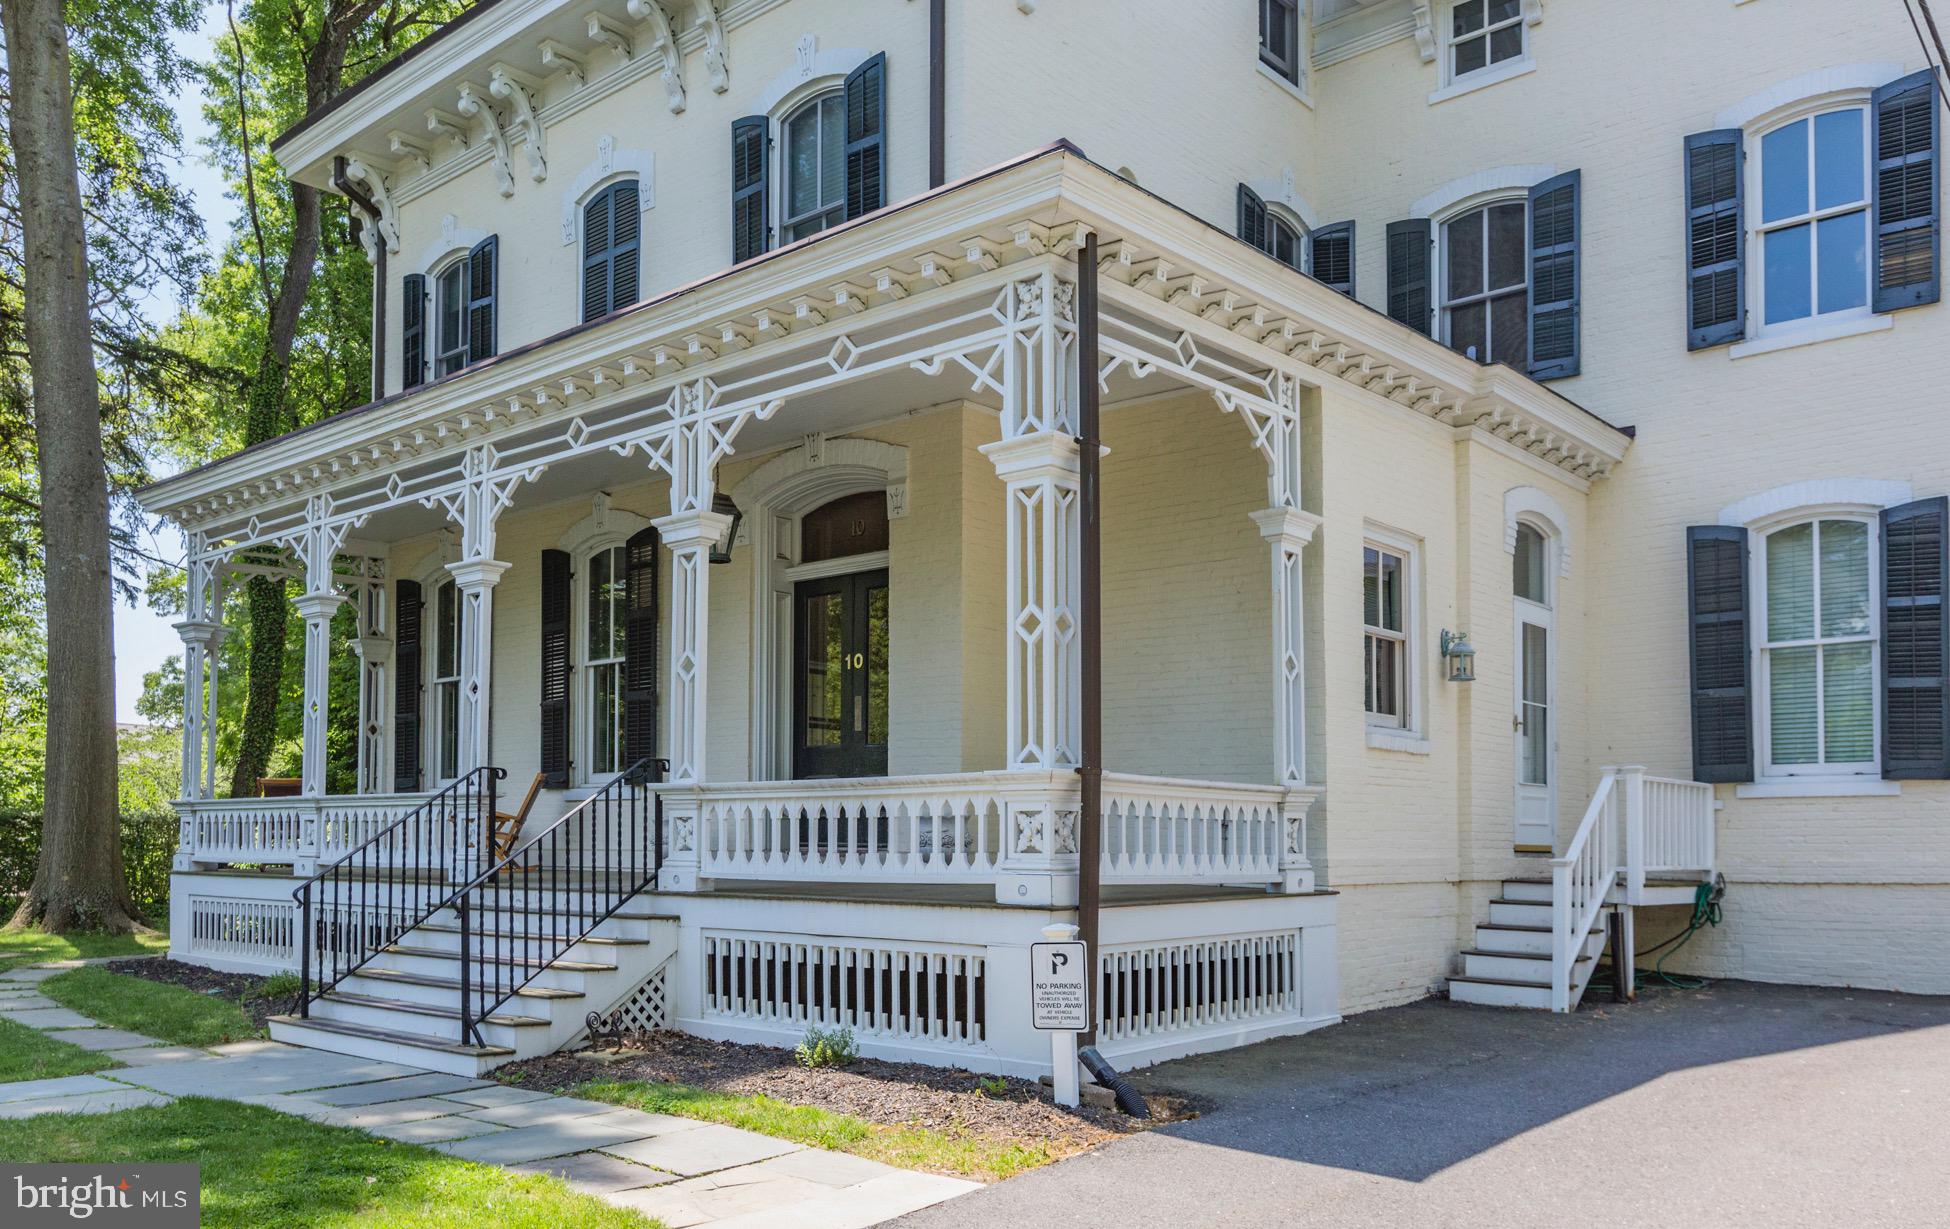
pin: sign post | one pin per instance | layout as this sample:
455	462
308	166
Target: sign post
1059	1001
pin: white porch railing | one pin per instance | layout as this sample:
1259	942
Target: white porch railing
302	832
1635	826
972	827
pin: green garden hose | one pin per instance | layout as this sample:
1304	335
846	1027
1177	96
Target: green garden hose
1706	912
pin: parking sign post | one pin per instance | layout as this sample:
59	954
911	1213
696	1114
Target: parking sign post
1059	1002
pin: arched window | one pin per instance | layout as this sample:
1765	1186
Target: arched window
1530	571
605	645
1485	283
446	681
450	317
1813	225
612	250
814	140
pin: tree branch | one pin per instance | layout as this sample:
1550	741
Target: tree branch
250	180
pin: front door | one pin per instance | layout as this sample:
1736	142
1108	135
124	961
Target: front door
840	637
1536	735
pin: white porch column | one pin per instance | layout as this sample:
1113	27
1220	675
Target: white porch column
689	536
474	581
201	640
374	647
1040	472
317	610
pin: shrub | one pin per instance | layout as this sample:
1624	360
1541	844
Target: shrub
277	986
828	1047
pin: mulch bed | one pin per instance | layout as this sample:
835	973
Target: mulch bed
887	1093
240	988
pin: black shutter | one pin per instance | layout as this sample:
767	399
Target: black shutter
640	649
556	586
1915	641
1716	586
1410	243
413	330
406	686
1716	282
595	256
1554	209
626	246
751	173
866	137
481	276
1330	256
1252	218
1908	240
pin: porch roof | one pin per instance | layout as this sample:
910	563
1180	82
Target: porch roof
1193	297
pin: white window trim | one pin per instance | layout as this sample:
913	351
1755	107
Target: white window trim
610	165
430	721
1453	86
1299	92
1536	506
435	309
1765	771
1439	223
1817	326
812	72
1302	89
604	528
1411	735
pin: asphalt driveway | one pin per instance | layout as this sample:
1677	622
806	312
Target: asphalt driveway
1740	1104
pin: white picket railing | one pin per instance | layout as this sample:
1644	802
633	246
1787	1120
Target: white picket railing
283	831
1636	826
1162	830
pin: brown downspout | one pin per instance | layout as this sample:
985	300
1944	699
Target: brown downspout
1090	627
343	183
937	93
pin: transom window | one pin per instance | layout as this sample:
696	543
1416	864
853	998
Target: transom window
1279	37
605	637
1818	650
1485	285
450	298
1814	220
815	166
1384	592
446	681
1483	33
1531	579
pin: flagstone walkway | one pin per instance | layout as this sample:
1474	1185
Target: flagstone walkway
679	1170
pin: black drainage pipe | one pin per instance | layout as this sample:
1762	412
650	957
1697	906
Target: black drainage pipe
1129	1099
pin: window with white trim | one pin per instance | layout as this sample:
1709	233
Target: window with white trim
1385	581
813	166
1484	34
1486	282
1818	707
1811	230
445	660
450	318
1279	37
605	621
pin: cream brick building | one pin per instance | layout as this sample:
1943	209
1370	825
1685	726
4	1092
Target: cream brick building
723	481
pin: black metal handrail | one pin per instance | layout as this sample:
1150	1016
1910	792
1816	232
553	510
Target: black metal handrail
391	882
552	891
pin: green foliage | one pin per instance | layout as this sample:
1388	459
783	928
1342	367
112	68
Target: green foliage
276	987
827	1047
29	1054
175	1014
148	847
26	945
262	1168
994	1086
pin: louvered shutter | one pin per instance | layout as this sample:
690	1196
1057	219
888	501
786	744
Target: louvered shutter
751	230
407	605
1410	243
1330	256
1908	252
413	330
596	256
1915	641
482	274
626	246
866	137
640	648
1716	281
1716	585
1554	209
556	587
1252	218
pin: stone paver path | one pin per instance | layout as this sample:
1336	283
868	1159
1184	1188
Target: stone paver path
681	1171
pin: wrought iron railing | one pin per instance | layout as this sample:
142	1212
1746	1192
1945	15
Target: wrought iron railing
524	912
391	882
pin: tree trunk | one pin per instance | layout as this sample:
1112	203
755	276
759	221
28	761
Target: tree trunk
79	882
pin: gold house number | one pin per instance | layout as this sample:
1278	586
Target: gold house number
857	661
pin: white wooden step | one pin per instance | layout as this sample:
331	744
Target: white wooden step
388	1046
1500	993
1513	938
1505	912
1527	889
1506	966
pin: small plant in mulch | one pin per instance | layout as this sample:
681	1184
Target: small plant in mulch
827	1047
993	1085
281	987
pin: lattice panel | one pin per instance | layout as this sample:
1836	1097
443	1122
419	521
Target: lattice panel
647	1008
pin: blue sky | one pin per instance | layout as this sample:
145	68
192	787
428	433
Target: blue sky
144	640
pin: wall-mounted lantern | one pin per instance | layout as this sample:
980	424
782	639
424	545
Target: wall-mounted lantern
1461	656
722	504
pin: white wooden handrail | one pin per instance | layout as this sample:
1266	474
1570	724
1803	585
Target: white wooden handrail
1580	881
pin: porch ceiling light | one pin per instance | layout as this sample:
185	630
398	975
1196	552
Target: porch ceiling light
1461	656
722	504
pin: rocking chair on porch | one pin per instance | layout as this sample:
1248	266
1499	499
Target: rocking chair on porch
507	827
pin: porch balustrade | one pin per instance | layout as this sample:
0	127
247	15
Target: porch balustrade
301	832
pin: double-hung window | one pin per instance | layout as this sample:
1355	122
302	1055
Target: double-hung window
1486	284
1813	226
1818	648
1385	610
605	642
815	166
1279	37
450	318
1483	34
446	681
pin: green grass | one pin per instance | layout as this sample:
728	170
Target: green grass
155	1009
263	1168
29	946
968	1154
29	1054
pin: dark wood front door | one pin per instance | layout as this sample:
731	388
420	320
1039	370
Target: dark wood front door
839	717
